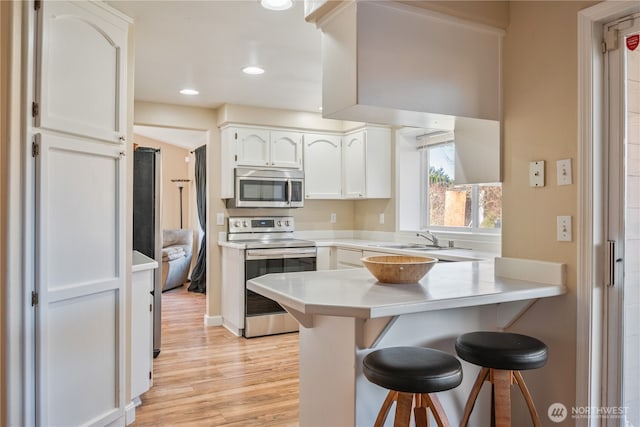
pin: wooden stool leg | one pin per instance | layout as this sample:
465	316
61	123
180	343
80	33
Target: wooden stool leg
501	380
482	376
527	398
433	403
420	411
404	405
392	396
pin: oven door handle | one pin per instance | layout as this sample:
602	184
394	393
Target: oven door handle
253	254
289	191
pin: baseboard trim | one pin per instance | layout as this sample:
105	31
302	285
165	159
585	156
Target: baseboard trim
130	413
212	320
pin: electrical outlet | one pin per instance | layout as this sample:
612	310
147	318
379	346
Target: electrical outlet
536	174
381	218
333	218
564	229
220	218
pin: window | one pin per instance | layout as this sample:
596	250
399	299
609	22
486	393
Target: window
474	207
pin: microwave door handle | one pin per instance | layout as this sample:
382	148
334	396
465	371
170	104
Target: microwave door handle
289	191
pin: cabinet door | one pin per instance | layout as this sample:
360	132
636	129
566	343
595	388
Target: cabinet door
83	97
286	149
354	167
252	147
322	166
80	265
141	331
348	258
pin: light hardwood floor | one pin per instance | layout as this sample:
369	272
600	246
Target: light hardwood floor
205	376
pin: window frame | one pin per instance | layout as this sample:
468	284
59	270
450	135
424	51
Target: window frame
425	205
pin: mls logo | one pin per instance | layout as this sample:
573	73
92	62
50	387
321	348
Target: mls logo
557	412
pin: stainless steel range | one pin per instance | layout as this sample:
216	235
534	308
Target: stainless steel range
271	247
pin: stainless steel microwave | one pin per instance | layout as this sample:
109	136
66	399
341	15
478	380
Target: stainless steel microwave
268	188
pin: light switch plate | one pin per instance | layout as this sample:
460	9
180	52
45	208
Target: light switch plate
564	229
333	218
563	172
536	173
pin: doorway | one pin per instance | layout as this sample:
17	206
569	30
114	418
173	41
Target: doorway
622	269
179	219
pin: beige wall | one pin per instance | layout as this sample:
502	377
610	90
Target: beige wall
173	167
540	123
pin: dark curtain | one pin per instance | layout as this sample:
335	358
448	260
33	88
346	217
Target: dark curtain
199	273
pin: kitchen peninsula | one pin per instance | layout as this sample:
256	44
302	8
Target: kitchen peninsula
344	314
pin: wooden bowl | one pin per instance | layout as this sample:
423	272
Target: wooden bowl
398	268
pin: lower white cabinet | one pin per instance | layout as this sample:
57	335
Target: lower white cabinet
348	258
232	298
141	331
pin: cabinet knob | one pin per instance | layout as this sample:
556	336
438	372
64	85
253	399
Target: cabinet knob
122	138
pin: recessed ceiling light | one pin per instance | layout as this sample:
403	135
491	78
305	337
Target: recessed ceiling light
276	4
189	92
253	70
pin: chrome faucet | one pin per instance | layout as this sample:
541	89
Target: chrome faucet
429	236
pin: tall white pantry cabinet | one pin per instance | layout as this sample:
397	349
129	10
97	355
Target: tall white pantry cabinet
79	132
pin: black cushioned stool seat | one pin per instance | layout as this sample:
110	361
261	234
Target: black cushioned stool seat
502	356
412	372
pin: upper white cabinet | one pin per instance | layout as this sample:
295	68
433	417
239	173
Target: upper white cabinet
256	147
66	99
366	167
251	147
286	149
353	173
353	165
268	148
322	166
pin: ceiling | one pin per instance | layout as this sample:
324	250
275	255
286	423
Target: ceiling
204	45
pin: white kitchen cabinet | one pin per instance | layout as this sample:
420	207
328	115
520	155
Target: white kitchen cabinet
366	166
141	324
286	149
268	148
348	258
256	147
82	97
322	166
252	147
232	297
325	258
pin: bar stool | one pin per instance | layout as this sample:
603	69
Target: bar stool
412	373
502	356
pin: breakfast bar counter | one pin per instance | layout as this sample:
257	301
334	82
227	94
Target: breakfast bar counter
344	314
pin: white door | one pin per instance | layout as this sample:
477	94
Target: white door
322	166
354	165
286	149
82	65
252	147
623	223
80	215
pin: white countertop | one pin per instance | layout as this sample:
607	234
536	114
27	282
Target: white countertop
455	254
141	262
356	293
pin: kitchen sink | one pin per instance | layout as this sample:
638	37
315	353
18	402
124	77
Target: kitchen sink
411	246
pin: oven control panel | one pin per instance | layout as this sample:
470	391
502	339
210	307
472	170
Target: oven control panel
252	224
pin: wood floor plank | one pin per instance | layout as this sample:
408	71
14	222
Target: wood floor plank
205	376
